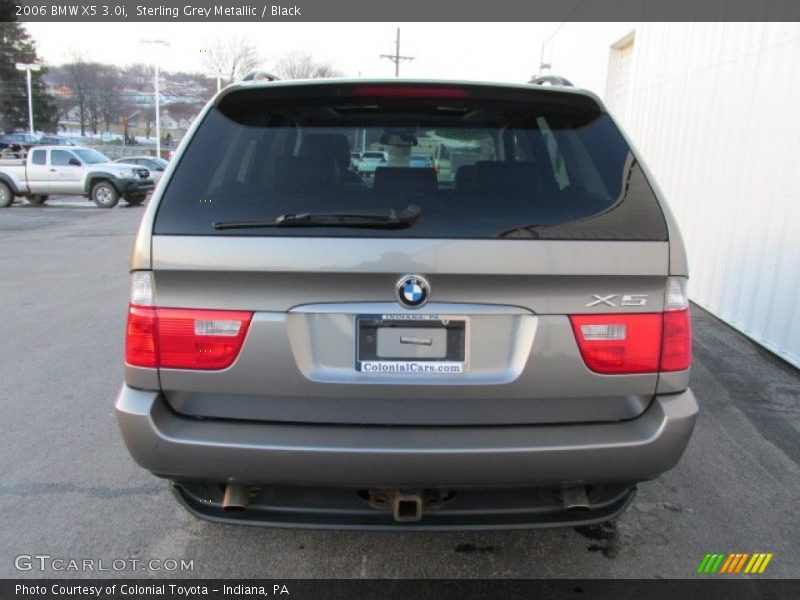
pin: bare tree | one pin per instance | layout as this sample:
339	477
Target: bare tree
109	99
93	102
302	65
79	73
231	59
146	117
137	76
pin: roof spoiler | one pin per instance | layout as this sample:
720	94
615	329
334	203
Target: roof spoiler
551	80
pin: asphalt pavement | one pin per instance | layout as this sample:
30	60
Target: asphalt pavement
69	490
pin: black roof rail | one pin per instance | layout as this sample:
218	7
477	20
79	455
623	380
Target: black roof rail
260	76
551	80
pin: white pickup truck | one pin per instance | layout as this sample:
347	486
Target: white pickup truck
74	171
370	161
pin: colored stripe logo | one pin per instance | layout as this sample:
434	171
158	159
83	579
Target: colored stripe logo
737	562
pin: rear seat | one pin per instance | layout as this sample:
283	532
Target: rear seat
306	173
465	178
390	180
334	146
514	179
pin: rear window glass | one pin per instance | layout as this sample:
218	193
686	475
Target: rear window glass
486	165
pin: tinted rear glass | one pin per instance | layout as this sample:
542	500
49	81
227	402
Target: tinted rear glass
516	164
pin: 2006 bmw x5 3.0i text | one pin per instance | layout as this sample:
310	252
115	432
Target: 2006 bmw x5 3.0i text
499	341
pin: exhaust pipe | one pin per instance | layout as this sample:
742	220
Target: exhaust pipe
236	497
574	498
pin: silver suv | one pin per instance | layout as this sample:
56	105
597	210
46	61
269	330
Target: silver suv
509	347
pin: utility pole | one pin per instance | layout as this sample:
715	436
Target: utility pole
543	65
396	58
28	67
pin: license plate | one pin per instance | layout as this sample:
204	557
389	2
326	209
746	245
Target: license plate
418	344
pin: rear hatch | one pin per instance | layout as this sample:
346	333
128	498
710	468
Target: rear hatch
416	297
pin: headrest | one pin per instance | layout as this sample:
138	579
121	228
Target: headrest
305	173
465	177
332	145
506	177
405	179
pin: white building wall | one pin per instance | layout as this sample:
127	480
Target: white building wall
620	68
714	109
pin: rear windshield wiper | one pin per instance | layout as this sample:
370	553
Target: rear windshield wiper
390	219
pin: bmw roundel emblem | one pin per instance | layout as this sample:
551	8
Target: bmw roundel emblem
413	291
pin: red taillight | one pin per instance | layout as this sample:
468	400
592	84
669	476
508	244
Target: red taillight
140	337
395	91
616	344
676	345
177	338
634	343
200	339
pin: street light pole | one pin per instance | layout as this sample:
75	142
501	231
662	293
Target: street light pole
158	95
218	77
158	116
28	67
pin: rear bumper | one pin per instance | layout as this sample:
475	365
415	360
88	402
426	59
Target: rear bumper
189	449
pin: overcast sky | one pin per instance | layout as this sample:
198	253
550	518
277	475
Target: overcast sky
480	51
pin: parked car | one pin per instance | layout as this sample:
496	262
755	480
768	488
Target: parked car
510	351
154	164
56	170
371	161
420	161
54	140
17	143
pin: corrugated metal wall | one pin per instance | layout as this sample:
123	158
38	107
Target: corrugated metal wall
715	111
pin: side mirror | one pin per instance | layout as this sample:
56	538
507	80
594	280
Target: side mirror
74	162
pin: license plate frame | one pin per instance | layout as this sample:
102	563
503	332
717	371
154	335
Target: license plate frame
454	361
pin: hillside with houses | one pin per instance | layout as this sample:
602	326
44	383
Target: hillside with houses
94	99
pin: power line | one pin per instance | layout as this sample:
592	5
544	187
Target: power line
542	64
396	58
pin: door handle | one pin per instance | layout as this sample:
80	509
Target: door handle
53	170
